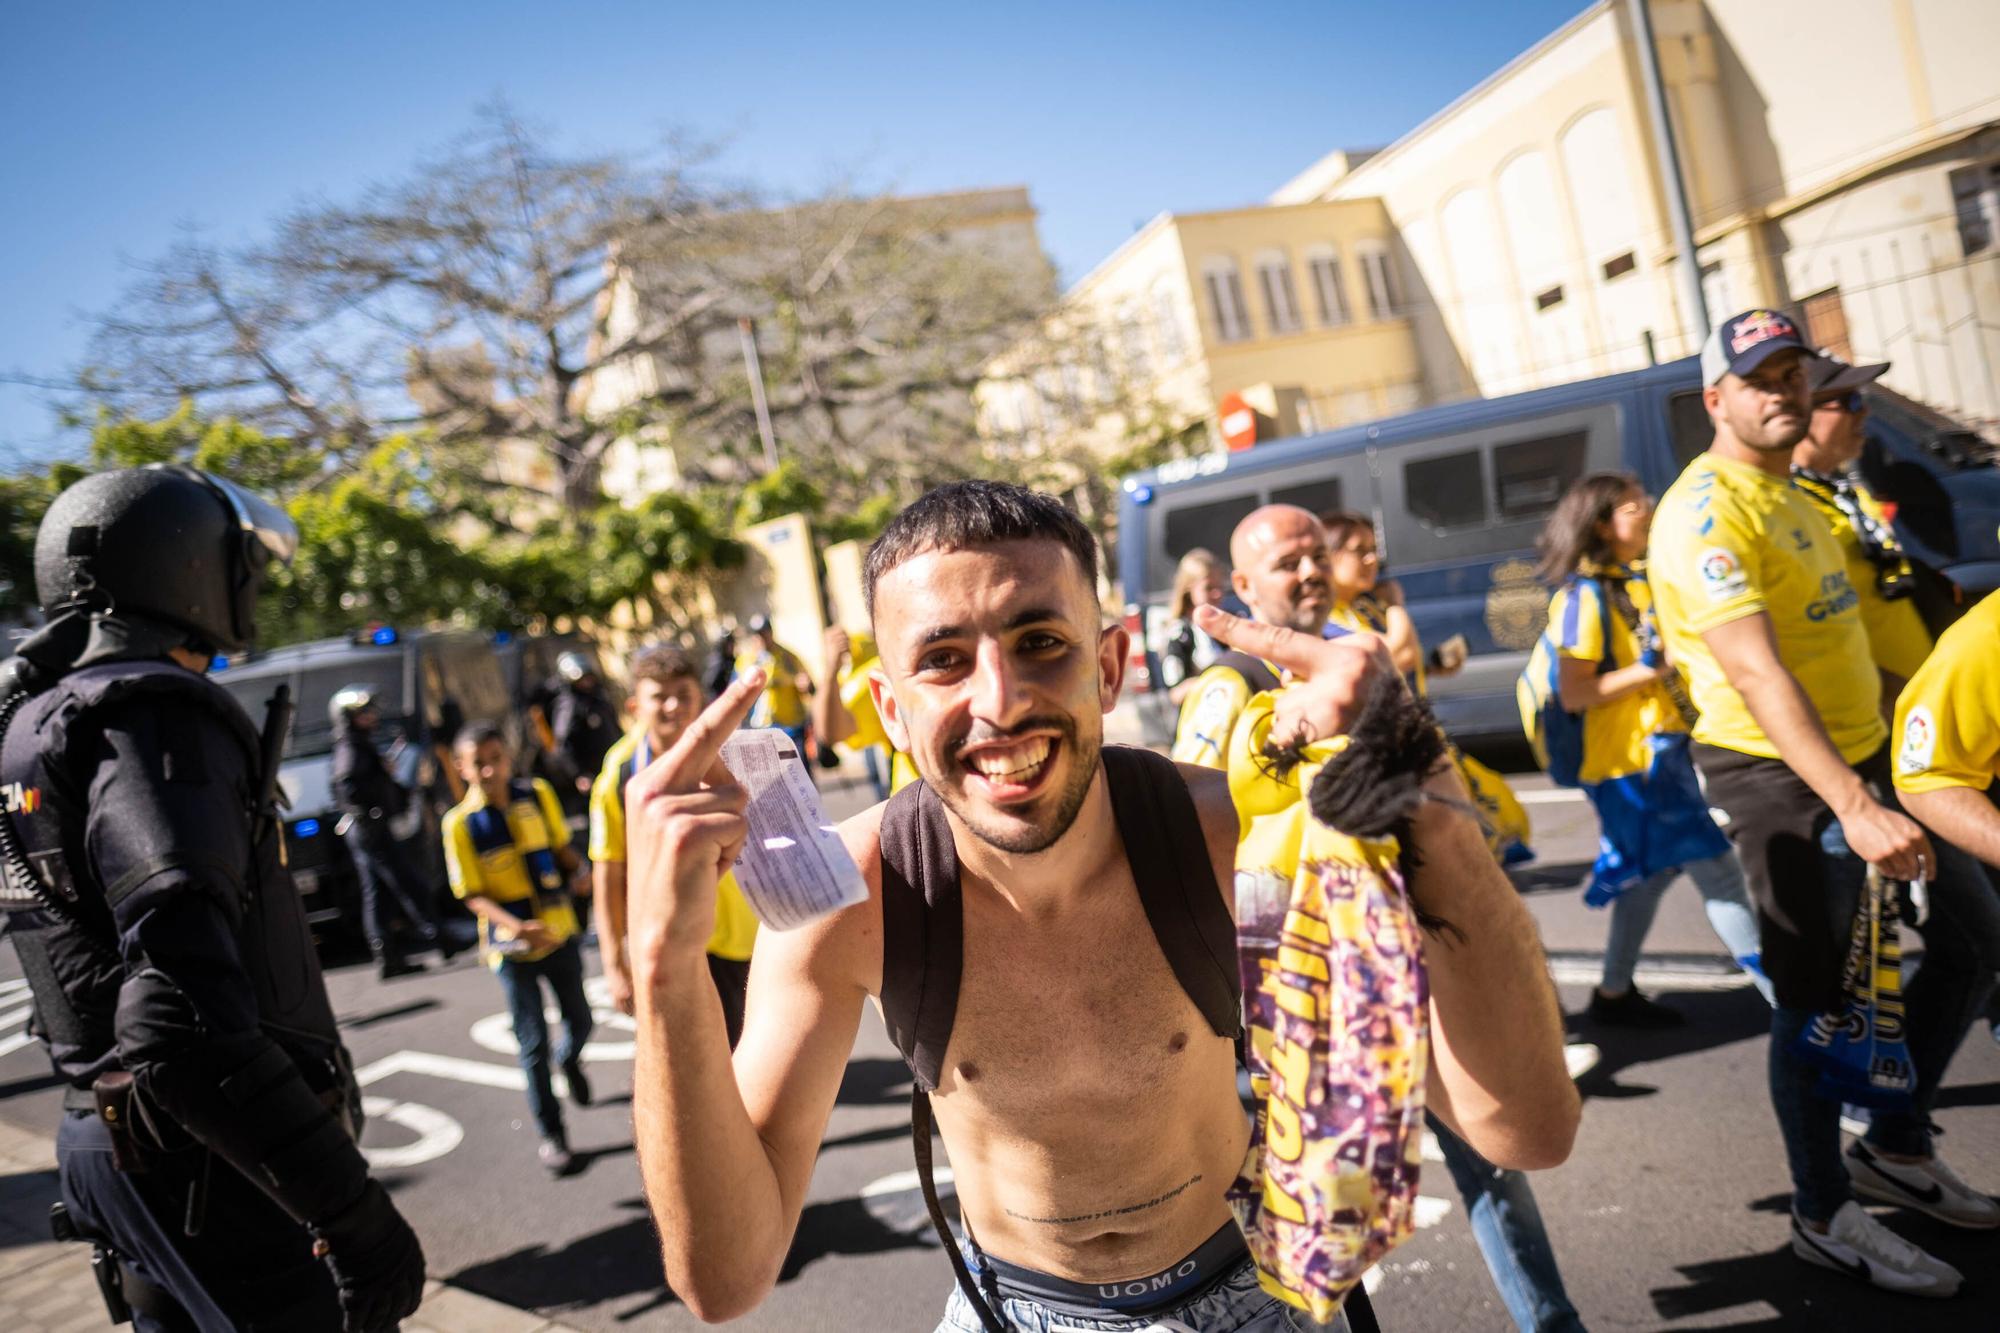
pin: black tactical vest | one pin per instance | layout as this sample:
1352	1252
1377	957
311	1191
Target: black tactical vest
71	956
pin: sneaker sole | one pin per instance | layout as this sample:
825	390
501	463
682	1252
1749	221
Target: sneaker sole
1889	1194
1863	1271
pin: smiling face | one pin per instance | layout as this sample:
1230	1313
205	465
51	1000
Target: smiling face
1000	671
664	708
1282	567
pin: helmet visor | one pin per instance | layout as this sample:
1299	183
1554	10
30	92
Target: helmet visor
271	526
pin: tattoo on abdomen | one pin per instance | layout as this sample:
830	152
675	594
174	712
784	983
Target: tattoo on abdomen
1129	1208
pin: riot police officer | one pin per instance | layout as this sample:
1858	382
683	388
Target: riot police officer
371	800
208	1140
584	723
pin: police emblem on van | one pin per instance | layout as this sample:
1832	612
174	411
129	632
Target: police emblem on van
1517	607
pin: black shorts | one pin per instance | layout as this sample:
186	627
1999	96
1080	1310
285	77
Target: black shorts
1804	881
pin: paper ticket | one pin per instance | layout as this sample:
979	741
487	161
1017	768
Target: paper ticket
794	868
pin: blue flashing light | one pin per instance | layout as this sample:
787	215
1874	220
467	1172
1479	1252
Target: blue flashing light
1141	495
218	663
502	637
306	828
383	636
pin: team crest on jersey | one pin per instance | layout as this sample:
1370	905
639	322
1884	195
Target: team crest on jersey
1919	741
1721	574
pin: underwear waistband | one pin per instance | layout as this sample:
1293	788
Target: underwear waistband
1176	1284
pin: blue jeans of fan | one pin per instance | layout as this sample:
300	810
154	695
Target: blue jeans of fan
1506	1222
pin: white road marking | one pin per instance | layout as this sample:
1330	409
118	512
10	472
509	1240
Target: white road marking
437	1133
13	1016
495	1033
1588	972
1550	796
12	987
898	1181
477	1072
9	1045
1431	1211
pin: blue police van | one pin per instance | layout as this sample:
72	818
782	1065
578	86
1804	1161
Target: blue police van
1459	493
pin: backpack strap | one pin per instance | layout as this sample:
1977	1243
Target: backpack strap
923	930
1170	864
1256	672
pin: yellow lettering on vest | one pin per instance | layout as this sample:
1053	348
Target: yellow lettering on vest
1303	963
1307	928
1285	1135
1298	1003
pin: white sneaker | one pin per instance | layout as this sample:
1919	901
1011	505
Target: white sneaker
1856	1244
1581	1057
1928	1186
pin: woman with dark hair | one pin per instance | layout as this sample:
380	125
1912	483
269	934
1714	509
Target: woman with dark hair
1635	768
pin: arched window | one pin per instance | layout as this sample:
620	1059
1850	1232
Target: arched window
1281	297
1224	286
1329	288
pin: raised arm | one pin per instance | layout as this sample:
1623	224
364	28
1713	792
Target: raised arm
726	1152
1747	651
1498	1076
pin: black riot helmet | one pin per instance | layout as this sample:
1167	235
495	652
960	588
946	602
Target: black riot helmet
164	542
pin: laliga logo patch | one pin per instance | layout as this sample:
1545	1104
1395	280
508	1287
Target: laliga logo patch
1756	327
1721	574
1919	741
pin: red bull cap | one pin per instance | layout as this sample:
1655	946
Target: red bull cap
1743	342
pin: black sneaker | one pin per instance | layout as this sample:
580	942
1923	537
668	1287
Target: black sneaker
555	1156
1631	1010
579	1086
398	967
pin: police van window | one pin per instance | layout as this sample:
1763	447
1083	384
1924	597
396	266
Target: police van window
1447	491
1206	525
1692	430
1315	497
1529	476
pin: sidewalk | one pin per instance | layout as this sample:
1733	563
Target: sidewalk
46	1287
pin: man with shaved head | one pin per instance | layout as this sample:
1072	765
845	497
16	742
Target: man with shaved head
1282	566
1280	561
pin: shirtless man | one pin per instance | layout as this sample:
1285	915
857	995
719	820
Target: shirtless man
1080	1079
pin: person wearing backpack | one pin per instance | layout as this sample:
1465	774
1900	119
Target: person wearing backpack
1630	748
1049	933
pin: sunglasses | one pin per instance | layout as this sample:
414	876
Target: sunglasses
1849	402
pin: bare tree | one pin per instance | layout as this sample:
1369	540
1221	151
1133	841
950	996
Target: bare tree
467	298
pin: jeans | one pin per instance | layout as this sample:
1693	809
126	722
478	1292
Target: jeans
1234	1305
387	880
1950	988
1507	1224
1724	898
251	1266
563	970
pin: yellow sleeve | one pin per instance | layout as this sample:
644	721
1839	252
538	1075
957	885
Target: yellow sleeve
1722	577
607	812
859	700
1208	714
461	859
1948	718
552	813
1576	621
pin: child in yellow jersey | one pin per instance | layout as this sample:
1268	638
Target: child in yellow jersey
665	696
507	852
1635	767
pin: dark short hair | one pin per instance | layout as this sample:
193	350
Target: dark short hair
976	513
1340	524
475	734
663	664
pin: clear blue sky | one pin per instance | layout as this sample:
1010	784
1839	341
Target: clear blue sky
122	121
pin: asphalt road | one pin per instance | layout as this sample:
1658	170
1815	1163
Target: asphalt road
1670	1214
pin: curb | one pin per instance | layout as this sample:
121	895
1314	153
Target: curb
46	1286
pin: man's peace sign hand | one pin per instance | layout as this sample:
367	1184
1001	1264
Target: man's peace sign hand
684	826
1327	680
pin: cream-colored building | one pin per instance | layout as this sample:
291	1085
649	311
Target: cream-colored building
1842	160
662	313
1299	308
